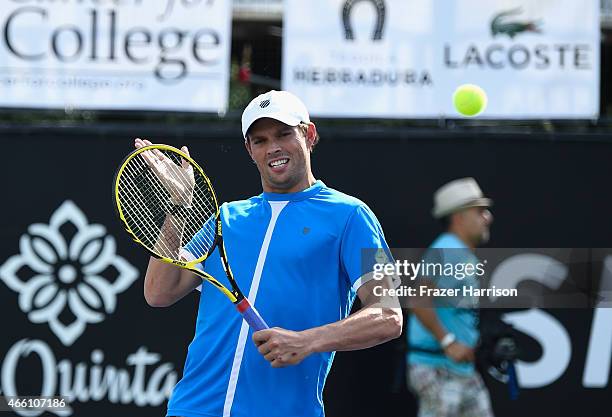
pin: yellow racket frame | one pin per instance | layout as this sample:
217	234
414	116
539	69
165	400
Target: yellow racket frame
189	265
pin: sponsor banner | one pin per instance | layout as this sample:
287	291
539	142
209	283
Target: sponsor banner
390	58
65	281
134	55
77	327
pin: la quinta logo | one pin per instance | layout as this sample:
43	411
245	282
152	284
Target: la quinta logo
67	274
63	270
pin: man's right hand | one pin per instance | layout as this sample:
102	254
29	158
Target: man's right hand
459	352
179	181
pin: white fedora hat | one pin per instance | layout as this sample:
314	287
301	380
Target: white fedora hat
457	195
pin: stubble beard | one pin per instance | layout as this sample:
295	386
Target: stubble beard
289	180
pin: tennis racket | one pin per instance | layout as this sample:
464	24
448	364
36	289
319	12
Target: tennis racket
167	204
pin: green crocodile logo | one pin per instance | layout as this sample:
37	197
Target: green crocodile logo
503	25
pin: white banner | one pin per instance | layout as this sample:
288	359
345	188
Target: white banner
397	58
115	54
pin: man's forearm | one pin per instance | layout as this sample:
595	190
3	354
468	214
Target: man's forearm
456	351
169	240
378	321
367	327
165	283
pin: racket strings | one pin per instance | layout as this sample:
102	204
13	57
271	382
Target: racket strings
146	202
157	197
146	223
140	219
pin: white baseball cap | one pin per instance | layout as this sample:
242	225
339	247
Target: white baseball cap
457	195
280	105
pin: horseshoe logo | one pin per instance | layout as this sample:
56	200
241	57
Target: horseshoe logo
380	19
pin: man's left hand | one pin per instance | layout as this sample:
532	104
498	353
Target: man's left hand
282	347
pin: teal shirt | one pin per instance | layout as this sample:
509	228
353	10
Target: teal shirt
457	315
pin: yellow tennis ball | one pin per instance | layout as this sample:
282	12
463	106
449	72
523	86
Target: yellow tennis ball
469	100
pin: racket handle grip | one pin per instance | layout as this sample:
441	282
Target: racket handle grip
251	316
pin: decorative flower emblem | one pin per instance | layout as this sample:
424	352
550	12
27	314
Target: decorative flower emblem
67	273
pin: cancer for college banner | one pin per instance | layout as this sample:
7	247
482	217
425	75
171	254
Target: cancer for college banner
396	58
132	54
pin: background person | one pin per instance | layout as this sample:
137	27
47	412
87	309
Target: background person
443	332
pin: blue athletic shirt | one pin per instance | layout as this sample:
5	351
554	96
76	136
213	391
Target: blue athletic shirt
458	320
298	258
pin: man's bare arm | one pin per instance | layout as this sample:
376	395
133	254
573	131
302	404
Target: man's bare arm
164	283
378	321
424	310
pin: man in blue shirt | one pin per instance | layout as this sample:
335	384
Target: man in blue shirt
443	332
297	251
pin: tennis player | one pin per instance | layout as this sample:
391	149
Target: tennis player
299	251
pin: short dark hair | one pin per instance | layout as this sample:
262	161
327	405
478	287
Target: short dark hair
304	128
